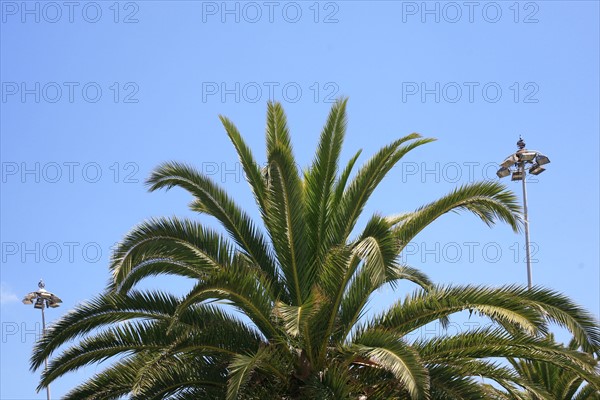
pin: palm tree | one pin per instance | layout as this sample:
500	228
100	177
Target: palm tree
279	311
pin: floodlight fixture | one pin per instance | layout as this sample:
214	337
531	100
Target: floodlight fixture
28	299
526	155
43	299
541	159
503	172
510	161
536	169
39	303
514	165
517	175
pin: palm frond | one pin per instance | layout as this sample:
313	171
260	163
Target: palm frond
558	308
332	384
285	215
251	168
295	319
482	343
489	200
356	297
243	366
214	201
167	246
387	350
503	305
365	182
340	184
105	310
320	179
246	291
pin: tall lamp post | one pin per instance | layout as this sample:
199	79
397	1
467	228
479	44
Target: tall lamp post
515	165
41	300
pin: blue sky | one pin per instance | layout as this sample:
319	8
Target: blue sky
96	94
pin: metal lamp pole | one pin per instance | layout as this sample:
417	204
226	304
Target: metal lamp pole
526	223
43	299
44	335
515	165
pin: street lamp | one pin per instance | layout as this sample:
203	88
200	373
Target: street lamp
40	300
514	165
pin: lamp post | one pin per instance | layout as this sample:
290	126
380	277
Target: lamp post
514	165
43	299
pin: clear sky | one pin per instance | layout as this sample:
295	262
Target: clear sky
96	94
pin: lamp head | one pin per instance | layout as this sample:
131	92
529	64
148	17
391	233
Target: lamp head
512	159
39	303
542	159
55	299
28	299
503	172
536	169
526	155
517	175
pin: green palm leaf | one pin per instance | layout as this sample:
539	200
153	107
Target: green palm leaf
387	350
251	168
168	246
369	176
214	201
489	200
285	213
320	180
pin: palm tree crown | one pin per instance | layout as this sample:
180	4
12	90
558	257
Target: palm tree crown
302	282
